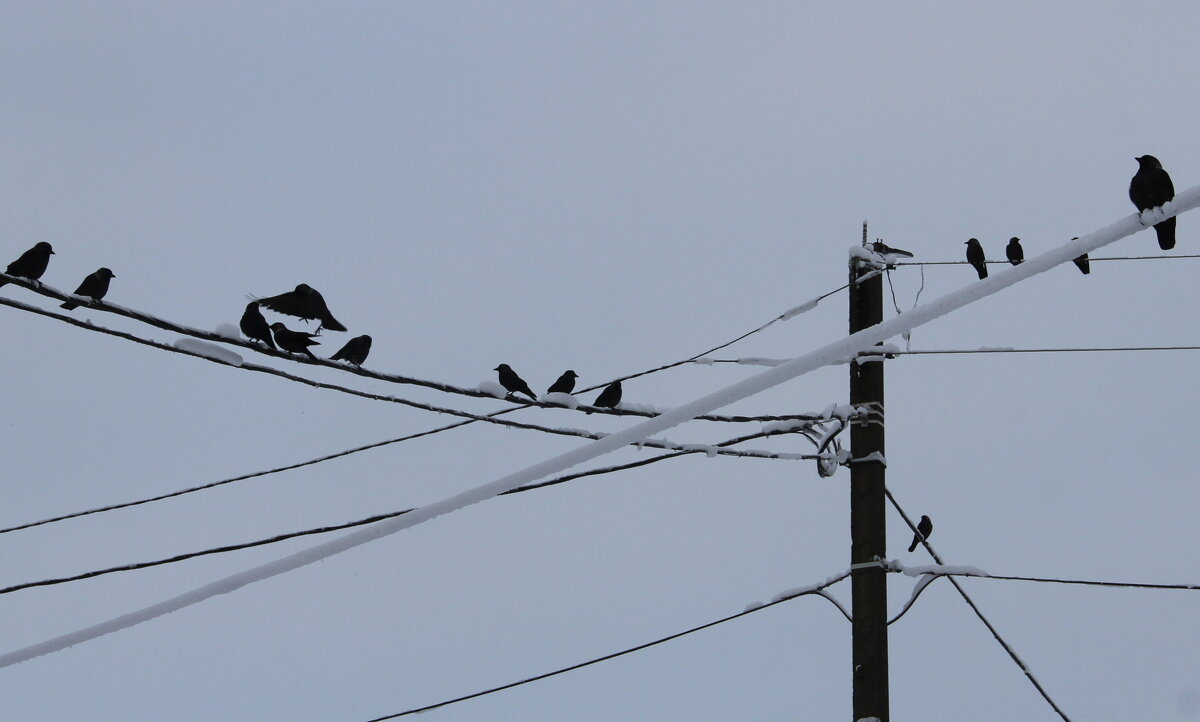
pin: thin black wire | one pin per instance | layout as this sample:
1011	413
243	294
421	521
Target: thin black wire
971	603
819	591
1043	350
1092	259
374	518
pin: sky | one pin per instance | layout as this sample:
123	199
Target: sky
606	187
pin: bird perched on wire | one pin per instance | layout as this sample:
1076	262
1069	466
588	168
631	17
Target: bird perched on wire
609	397
924	529
255	327
32	263
976	258
355	351
93	286
1082	262
1016	254
1150	188
294	341
565	383
884	249
512	382
305	303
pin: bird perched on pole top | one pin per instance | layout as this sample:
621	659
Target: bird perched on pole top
884	249
512	382
32	263
1151	187
94	286
1016	254
305	303
924	529
355	351
294	341
976	258
565	383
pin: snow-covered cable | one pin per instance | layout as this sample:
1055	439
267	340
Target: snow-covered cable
829	354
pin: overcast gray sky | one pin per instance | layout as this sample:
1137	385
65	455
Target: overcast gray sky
605	187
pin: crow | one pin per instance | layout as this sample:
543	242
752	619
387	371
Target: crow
255	327
610	396
1150	188
565	383
355	351
924	529
94	286
512	382
32	263
304	303
976	258
294	341
1016	254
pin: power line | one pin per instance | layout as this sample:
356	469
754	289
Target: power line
135	566
971	603
818	590
1093	259
761	361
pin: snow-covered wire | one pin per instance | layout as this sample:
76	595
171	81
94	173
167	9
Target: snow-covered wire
832	353
971	603
1081	349
1093	259
224	549
818	590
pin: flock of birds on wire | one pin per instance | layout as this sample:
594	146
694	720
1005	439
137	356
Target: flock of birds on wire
1150	188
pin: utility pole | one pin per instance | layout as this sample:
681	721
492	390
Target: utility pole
868	539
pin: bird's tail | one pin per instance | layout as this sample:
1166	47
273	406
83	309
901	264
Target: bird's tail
1166	234
69	306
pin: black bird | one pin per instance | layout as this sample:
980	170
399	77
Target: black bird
610	396
355	351
513	383
294	341
1016	254
1150	188
304	303
976	258
1082	263
94	286
924	529
255	327
565	383
884	249
32	263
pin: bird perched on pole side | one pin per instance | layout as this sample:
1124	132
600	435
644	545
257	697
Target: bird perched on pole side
512	382
976	258
1151	187
924	529
565	383
294	341
254	326
305	303
1016	254
32	263
93	286
355	351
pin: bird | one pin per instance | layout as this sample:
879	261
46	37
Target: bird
884	249
976	258
512	382
255	326
609	397
355	351
294	341
565	383
924	529
1151	187
1082	263
94	286
305	303
32	263
1016	254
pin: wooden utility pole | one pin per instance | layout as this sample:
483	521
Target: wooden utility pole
867	521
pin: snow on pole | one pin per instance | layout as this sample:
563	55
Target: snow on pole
830	354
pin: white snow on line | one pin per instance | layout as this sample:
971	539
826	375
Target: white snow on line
997	348
802	308
707	449
642	408
761	361
938	569
492	388
782	427
797	591
208	350
818	358
559	398
228	330
752	606
703	361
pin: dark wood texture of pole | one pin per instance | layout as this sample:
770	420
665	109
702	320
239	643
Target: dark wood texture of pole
867	521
